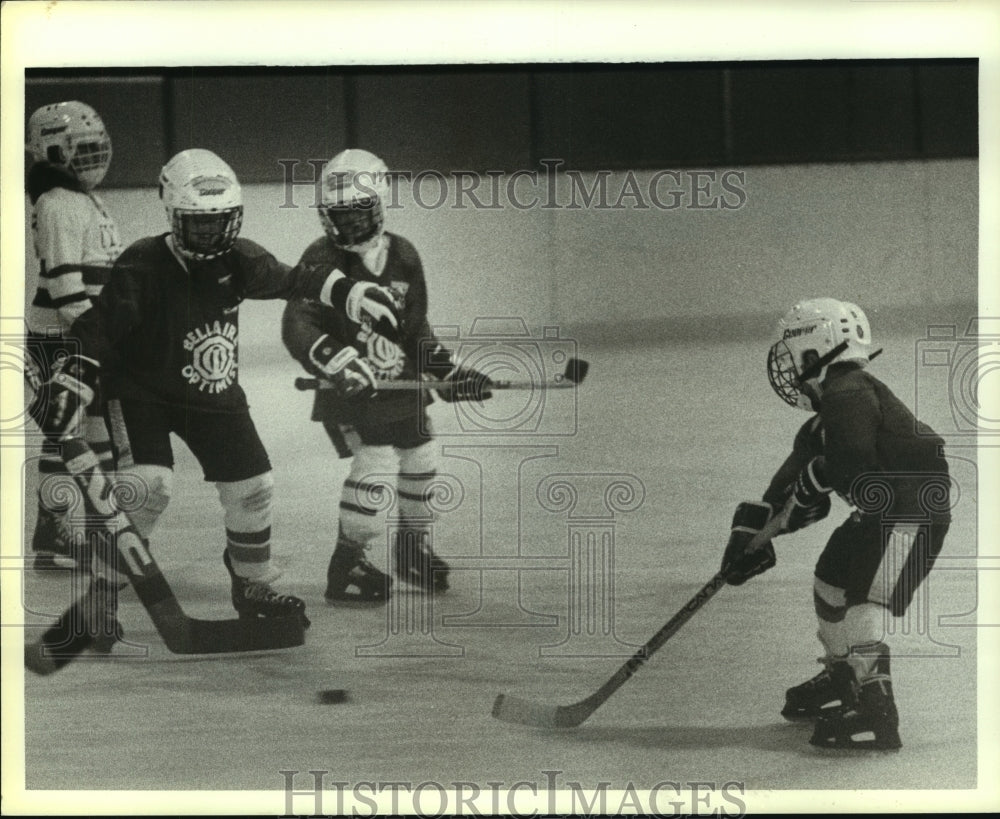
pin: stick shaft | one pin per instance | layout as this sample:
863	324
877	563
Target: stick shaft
669	629
568	716
673	625
403	385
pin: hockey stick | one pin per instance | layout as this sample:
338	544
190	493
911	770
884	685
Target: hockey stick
576	371
182	634
539	715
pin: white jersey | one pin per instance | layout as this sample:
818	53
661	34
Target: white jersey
76	243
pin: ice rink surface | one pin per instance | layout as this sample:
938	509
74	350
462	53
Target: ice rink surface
665	440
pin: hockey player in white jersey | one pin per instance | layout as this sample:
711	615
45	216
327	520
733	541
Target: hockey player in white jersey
76	243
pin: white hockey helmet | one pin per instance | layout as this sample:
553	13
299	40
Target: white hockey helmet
814	334
355	185
72	136
204	203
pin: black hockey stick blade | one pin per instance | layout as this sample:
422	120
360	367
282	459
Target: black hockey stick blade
539	715
181	634
576	370
61	643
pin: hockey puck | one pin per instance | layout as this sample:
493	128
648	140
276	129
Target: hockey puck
331	696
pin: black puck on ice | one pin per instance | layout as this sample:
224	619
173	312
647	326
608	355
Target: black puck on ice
331	696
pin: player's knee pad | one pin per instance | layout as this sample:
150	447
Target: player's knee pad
367	492
417	472
864	627
247	503
423	458
143	492
865	623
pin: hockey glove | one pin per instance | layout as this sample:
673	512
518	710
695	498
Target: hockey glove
367	301
58	407
738	563
809	496
466	384
351	375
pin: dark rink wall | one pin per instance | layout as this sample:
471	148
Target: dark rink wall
508	118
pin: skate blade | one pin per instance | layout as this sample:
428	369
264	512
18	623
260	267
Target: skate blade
806	717
852	745
859	748
340	603
52	565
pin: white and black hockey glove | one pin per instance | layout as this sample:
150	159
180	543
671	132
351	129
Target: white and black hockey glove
738	563
376	303
458	383
809	496
58	407
350	374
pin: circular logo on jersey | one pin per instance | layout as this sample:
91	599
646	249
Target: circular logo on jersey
385	357
213	357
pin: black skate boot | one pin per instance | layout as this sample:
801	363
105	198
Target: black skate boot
415	562
253	599
102	616
819	696
50	543
871	721
351	580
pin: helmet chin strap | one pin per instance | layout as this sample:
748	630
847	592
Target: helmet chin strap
817	366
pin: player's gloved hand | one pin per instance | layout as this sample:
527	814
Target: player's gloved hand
351	375
376	303
809	496
739	563
58	407
467	384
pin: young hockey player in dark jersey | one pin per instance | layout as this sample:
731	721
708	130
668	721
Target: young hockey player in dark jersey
391	427
865	445
76	243
166	327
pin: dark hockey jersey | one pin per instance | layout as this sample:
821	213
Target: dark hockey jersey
306	323
877	454
171	335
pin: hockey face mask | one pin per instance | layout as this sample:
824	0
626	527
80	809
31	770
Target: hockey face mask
792	384
204	235
90	161
354	224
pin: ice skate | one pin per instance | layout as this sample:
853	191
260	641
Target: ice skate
819	696
415	562
352	580
871	722
49	543
253	599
